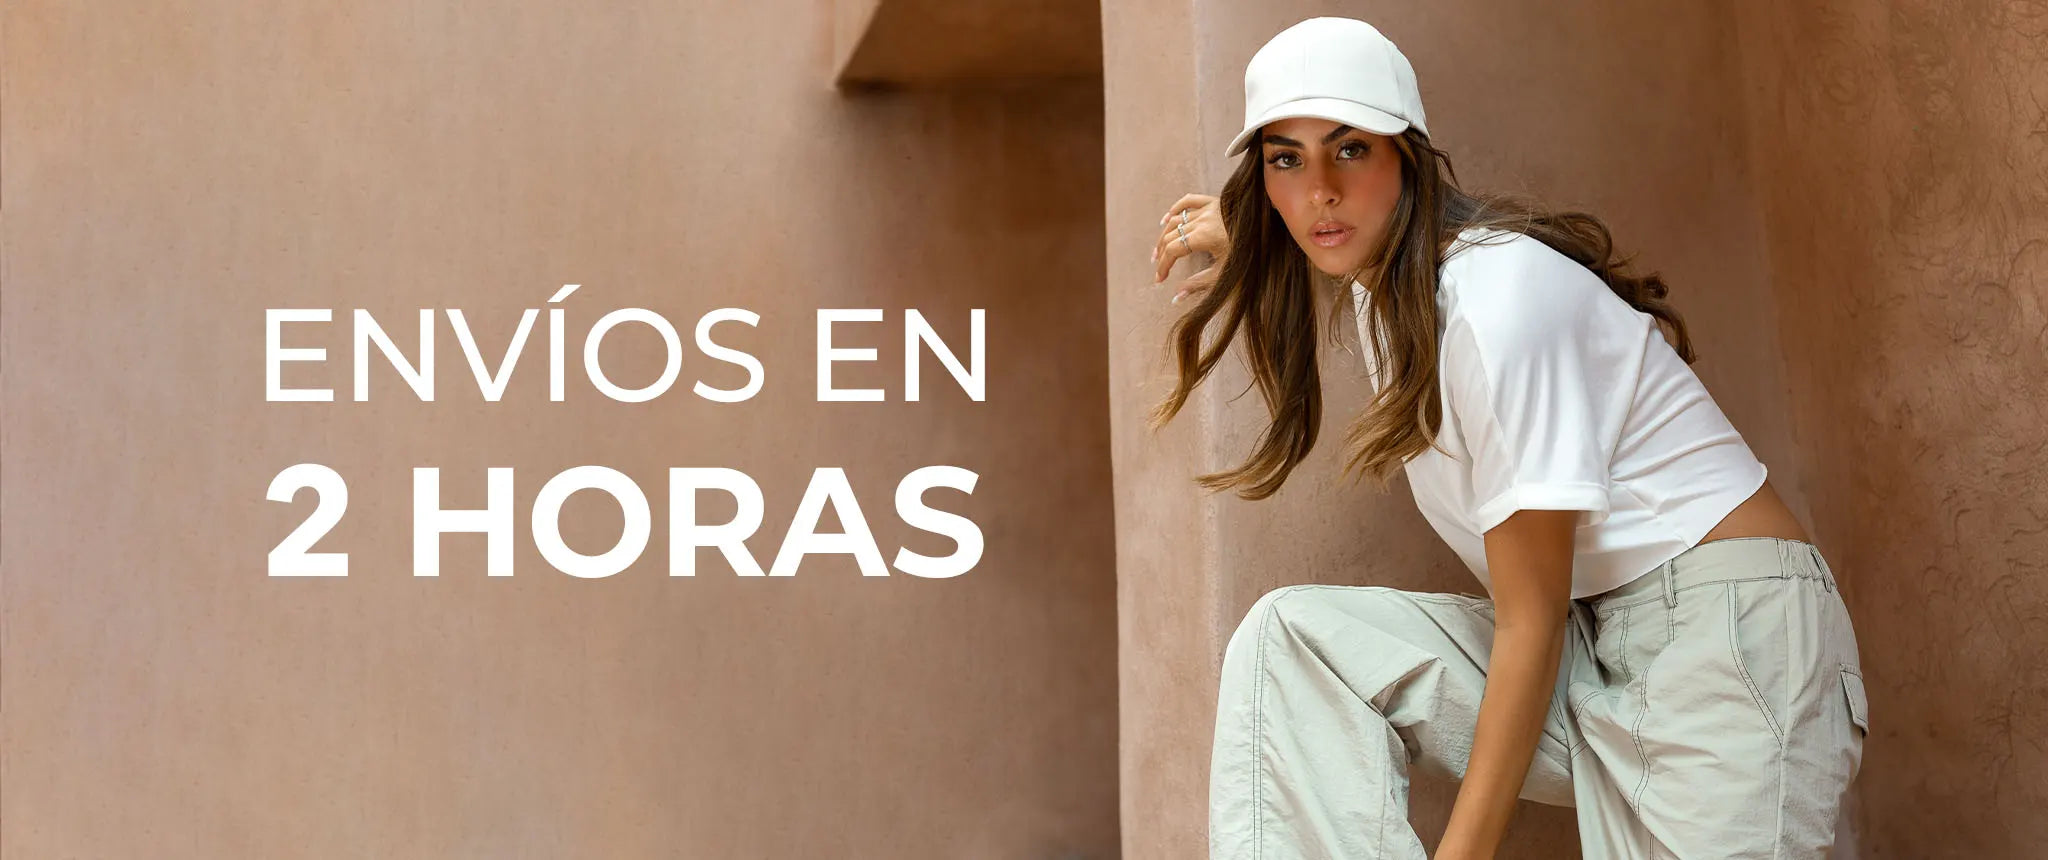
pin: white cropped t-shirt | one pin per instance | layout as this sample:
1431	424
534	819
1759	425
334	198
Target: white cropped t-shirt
1558	395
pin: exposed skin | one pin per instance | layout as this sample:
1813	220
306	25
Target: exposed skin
1314	170
1318	171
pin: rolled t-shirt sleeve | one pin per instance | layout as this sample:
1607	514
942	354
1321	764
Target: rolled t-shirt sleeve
1539	368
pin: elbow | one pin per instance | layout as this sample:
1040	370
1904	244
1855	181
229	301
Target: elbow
1539	618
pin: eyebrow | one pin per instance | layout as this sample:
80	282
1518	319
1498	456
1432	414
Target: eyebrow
1288	141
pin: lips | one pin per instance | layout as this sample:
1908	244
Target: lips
1330	234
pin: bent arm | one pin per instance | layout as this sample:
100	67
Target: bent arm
1530	558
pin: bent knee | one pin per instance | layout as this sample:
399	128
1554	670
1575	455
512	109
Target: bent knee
1359	602
1263	613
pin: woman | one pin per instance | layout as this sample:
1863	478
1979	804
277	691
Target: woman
1663	647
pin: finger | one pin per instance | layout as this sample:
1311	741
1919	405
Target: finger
1204	232
1174	211
1187	201
1200	237
1166	250
1197	283
1164	259
1170	252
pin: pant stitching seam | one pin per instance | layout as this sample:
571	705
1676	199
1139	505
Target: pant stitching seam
1586	698
1259	726
1784	743
1624	647
1671	610
1778	839
1605	611
1635	732
1742	669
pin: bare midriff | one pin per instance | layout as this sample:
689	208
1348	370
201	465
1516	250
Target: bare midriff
1763	514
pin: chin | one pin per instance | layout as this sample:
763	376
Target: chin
1333	269
1328	264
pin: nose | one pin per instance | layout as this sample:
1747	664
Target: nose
1322	192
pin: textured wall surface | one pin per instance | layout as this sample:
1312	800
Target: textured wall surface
1616	108
1167	572
173	169
948	43
1902	156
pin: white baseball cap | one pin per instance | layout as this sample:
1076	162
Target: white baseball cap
1339	69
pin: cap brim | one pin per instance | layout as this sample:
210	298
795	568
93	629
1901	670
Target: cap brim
1346	111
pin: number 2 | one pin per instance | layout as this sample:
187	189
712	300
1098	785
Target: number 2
290	556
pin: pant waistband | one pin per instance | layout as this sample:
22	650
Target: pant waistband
1720	561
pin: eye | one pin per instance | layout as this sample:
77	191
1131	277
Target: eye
1278	159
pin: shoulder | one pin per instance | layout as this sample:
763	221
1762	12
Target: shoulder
1502	265
1507	286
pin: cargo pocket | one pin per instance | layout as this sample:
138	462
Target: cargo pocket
1859	707
1859	725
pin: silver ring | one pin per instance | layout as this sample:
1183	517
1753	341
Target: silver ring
1183	230
1184	243
1183	217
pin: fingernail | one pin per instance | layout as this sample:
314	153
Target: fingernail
1176	297
1162	220
1155	255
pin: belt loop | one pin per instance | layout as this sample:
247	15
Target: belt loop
1670	573
1820	567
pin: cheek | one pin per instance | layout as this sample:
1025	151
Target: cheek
1282	191
1377	193
1379	186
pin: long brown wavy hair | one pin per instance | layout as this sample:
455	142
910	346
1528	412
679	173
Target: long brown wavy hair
1266	289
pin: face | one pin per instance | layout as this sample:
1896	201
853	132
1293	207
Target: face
1335	187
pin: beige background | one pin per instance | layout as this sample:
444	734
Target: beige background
1847	198
173	169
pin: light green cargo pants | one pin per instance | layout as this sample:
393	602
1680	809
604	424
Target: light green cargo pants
1713	708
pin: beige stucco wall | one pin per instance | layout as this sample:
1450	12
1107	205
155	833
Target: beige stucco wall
1902	165
171	170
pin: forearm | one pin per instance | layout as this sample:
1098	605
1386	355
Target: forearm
1520	678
